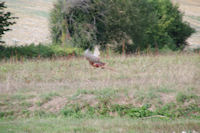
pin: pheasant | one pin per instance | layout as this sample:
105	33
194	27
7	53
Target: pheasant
94	58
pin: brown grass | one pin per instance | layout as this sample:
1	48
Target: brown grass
140	80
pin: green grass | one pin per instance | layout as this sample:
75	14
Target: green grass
105	125
68	95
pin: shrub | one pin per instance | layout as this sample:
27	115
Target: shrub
34	51
169	30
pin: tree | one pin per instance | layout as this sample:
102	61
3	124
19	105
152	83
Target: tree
5	20
147	23
170	30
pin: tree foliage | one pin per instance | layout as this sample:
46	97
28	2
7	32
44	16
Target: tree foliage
5	20
147	23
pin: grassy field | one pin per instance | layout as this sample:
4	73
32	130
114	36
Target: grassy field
161	93
115	125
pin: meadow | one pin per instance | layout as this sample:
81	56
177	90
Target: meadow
45	89
58	95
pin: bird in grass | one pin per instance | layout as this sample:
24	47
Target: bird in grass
94	59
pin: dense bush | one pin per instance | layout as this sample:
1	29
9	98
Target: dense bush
34	51
169	29
142	23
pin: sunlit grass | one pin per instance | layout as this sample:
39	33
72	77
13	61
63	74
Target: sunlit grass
44	88
152	79
62	125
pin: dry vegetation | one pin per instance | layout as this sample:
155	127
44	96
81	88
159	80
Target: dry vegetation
51	84
33	88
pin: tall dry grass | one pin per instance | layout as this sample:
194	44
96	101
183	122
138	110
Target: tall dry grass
139	79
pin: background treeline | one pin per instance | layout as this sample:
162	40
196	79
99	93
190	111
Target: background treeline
29	51
130	25
139	24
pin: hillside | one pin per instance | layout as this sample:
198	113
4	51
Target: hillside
59	95
33	23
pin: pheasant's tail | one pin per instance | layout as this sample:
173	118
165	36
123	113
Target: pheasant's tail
109	68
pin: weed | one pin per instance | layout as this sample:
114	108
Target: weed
72	111
107	109
6	114
182	97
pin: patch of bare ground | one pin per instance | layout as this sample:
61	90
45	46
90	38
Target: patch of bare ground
85	98
124	100
167	98
55	105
